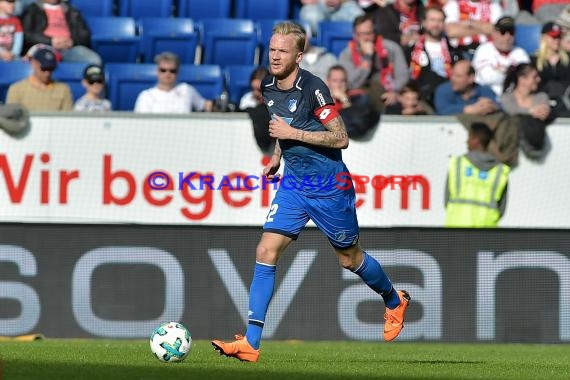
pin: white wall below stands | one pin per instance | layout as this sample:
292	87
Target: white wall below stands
90	150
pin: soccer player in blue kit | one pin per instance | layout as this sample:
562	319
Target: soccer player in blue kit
310	135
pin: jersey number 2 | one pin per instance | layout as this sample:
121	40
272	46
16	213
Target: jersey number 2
272	211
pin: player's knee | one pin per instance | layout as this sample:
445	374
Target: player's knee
264	254
350	258
348	262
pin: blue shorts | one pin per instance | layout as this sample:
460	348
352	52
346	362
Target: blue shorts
290	211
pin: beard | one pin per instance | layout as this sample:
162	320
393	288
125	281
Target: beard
434	35
284	70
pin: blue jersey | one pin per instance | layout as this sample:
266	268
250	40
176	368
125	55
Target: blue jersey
309	169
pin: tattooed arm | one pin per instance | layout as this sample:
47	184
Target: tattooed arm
335	135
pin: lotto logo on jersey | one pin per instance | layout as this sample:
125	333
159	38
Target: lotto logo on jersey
324	113
320	98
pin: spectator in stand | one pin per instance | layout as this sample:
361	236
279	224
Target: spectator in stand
60	25
39	92
399	21
461	95
469	23
94	84
11	32
410	103
492	59
354	106
252	103
317	59
169	96
553	67
521	98
315	11
253	98
337	82
548	10
375	64
432	56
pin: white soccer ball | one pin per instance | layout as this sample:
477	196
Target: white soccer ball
170	342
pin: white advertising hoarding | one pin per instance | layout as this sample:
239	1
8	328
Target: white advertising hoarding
77	169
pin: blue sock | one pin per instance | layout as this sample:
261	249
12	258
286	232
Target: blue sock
374	276
260	294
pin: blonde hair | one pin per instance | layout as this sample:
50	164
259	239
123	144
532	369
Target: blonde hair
541	56
295	30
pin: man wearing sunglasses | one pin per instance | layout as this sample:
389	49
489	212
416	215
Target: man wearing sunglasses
493	58
169	96
39	92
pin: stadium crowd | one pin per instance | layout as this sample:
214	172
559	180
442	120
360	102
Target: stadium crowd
470	58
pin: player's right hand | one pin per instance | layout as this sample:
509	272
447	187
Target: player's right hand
270	171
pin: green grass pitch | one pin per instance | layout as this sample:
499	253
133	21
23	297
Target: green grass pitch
120	359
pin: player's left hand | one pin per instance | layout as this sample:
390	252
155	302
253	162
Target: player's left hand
279	129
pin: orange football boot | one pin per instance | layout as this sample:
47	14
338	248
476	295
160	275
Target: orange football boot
239	349
395	318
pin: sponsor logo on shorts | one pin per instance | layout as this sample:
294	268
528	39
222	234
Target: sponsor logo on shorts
340	236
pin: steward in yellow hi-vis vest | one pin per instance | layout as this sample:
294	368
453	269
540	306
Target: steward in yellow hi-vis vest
476	191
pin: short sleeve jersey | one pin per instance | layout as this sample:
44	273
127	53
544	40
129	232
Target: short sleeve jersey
311	170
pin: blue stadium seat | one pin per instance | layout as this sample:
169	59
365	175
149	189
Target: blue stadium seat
127	80
262	9
228	41
237	81
145	8
527	37
114	38
72	74
176	35
12	72
91	8
207	79
334	35
196	10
